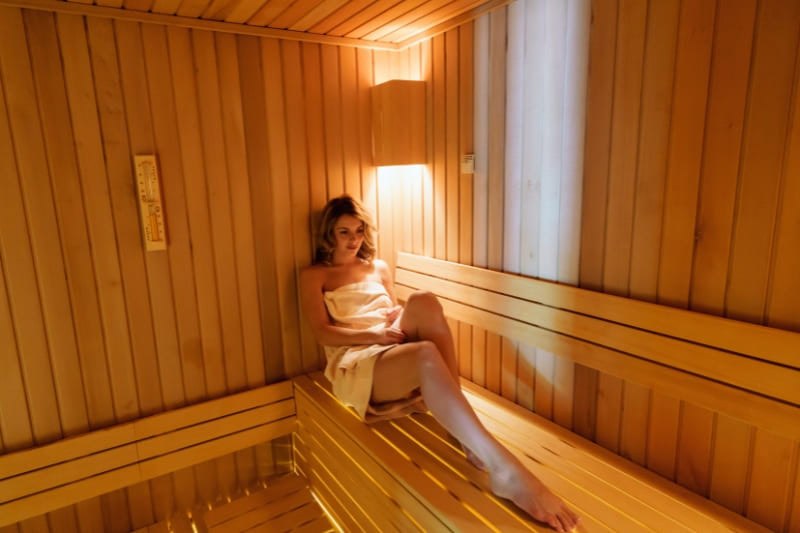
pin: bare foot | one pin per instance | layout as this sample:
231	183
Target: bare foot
517	484
474	459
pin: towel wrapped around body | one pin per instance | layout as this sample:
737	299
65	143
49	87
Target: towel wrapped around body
362	305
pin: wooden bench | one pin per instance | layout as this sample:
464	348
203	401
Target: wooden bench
284	504
409	475
45	478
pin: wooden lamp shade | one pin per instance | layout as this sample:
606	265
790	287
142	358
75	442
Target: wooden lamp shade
398	123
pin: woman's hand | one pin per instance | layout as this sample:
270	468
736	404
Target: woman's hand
390	335
392	314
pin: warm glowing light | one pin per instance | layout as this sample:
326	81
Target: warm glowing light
411	168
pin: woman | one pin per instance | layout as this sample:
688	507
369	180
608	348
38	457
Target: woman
383	359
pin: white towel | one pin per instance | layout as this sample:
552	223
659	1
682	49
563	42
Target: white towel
361	305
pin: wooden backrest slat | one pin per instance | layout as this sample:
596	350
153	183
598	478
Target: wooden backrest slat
753	374
15	463
42	479
180	438
770	344
205	411
164	464
770	414
67	472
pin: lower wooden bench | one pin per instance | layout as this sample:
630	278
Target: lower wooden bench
44	478
410	475
285	504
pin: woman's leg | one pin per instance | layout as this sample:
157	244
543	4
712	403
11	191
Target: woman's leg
420	364
422	319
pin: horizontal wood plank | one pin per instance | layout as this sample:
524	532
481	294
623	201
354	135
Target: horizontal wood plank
745	372
770	344
774	415
52	476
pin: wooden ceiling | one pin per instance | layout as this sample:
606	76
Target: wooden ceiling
385	24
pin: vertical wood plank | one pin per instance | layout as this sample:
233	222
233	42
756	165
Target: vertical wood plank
238	181
730	77
626	105
466	95
480	194
496	139
349	110
426	68
331	93
299	181
15	425
175	130
770	479
543	384
314	127
657	82
218	201
575	80
633	427
479	356
692	66
526	372
508	369
465	352
196	247
258	163
284	248
63	520
56	122
198	48
762	156
512	205
126	129
28	244
452	136
99	216
730	465
115	512
90	515
439	148
599	98
532	136
493	362
369	191
140	505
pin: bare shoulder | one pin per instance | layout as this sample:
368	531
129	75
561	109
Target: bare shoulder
312	276
382	269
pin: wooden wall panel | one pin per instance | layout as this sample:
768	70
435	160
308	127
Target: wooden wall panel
685	102
253	136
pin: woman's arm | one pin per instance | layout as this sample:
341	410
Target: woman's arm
311	282
386	278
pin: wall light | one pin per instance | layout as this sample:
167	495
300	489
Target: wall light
398	123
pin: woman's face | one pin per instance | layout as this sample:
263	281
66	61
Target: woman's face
349	234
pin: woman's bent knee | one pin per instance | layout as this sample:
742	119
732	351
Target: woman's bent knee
428	354
424	300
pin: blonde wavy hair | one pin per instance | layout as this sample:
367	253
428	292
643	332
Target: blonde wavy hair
325	241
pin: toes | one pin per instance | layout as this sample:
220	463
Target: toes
569	519
554	522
